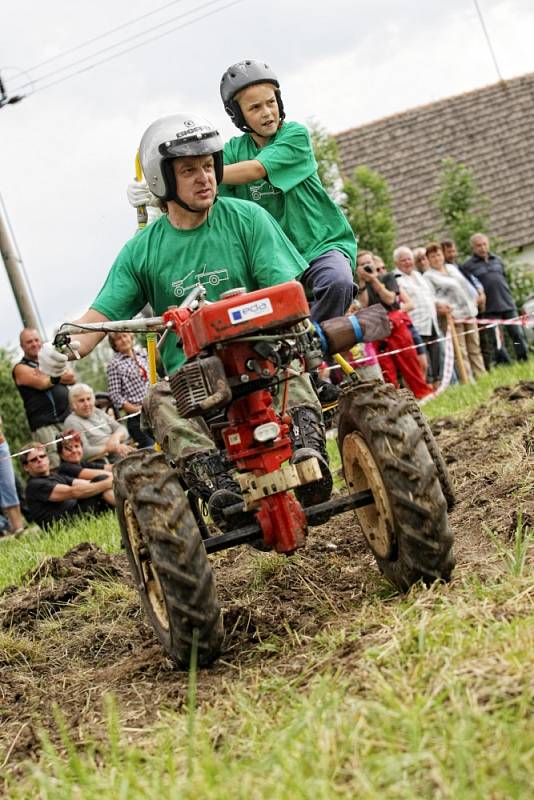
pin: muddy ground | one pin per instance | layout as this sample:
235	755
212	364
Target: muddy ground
77	631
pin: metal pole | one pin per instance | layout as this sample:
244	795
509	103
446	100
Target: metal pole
28	312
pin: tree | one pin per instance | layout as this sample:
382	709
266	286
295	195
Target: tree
92	368
368	209
327	157
463	208
11	406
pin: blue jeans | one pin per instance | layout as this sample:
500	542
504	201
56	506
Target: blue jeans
329	281
8	490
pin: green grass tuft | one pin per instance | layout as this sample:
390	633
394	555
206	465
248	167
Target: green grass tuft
18	556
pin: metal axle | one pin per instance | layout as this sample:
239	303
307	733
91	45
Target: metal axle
252	532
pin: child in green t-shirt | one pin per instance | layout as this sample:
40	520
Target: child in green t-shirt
273	165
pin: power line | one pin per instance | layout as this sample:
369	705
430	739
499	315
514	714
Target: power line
103	35
488	40
122	42
135	47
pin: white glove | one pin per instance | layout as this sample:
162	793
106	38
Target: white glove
140	195
51	361
153	213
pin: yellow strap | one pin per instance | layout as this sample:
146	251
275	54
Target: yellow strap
142	217
151	347
138	170
345	366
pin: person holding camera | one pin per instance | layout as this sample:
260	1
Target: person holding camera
397	353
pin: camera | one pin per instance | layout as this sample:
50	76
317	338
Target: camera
368	269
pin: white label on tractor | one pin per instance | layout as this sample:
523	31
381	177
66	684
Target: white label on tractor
258	308
234	439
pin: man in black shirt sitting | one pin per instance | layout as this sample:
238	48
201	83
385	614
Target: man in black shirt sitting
51	497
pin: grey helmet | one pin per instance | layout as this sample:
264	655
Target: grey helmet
238	77
176	136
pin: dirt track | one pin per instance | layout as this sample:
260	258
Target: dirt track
81	634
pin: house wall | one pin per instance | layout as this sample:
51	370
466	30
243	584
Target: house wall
526	255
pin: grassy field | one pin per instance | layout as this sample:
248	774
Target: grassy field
462	398
423	696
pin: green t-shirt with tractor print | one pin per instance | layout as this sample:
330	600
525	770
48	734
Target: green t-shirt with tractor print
292	192
239	245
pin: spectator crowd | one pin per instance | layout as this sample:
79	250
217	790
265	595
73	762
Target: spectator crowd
76	436
432	299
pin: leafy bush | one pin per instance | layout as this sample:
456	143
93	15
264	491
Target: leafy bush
463	208
11	406
520	277
368	209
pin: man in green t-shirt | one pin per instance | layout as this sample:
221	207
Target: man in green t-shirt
222	245
273	165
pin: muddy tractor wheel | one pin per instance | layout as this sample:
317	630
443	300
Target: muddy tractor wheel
433	449
167	557
383	449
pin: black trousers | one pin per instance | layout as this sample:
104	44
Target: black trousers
134	429
488	340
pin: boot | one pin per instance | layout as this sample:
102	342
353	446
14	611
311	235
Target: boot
308	439
207	476
327	392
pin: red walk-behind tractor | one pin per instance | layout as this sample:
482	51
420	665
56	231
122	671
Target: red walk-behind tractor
240	352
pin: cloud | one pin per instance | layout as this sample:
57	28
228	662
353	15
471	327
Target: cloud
67	153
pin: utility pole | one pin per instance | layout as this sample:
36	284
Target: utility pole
6	100
28	313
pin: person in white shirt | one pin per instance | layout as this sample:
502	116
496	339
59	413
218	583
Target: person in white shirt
425	306
453	288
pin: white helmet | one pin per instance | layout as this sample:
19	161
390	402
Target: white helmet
176	136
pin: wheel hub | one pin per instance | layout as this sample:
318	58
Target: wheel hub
145	569
361	473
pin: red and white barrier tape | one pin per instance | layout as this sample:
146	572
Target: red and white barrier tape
525	320
66	438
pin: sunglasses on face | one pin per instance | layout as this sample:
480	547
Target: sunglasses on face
39	457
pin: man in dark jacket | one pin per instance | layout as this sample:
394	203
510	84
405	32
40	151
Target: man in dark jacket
489	270
46	399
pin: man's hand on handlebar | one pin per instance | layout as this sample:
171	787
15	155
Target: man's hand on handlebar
53	362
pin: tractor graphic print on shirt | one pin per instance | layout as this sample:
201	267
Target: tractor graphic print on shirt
206	277
262	189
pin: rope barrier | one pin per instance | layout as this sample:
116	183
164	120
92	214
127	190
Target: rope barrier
70	436
525	320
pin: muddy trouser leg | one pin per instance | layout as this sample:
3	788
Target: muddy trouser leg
300	392
179	438
308	436
330	281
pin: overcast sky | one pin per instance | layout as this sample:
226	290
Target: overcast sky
67	152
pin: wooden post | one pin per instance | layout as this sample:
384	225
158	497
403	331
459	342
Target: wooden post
462	372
